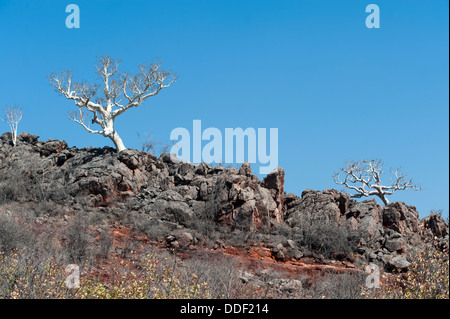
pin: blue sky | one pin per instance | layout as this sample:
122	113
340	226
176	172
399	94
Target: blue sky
335	89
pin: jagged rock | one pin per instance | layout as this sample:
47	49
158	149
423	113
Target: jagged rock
364	221
400	217
436	224
171	206
28	138
246	169
51	147
341	199
134	159
6	139
290	200
202	169
315	205
170	158
275	183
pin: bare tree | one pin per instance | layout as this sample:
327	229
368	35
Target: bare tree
364	177
13	115
118	92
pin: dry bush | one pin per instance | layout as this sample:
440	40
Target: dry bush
222	277
337	286
14	234
323	237
155	277
427	277
77	240
24	276
27	182
14	184
105	244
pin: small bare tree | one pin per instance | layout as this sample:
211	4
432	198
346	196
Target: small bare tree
13	115
364	177
118	92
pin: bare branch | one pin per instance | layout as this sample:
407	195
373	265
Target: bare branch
81	117
139	87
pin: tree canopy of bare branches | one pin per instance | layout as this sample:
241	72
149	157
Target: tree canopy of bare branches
101	104
364	177
13	115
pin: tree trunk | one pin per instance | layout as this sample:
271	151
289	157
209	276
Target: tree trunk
117	142
14	138
383	198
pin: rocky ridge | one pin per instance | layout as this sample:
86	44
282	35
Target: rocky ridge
189	202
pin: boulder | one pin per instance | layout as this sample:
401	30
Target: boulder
398	263
396	244
28	138
436	224
51	147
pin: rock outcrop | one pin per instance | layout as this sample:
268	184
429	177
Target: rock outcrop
168	190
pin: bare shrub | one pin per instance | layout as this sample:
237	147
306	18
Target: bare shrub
105	244
150	144
338	286
222	275
130	247
282	229
13	183
25	182
14	235
23	276
324	237
77	240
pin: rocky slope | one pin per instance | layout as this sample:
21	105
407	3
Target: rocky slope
187	206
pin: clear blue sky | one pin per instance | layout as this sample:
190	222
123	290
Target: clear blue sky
335	89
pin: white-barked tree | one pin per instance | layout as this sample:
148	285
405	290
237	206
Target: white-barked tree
101	104
13	115
364	177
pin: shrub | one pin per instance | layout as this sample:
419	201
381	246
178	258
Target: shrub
23	277
77	240
221	275
105	244
338	286
323	237
13	235
156	278
13	183
427	278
